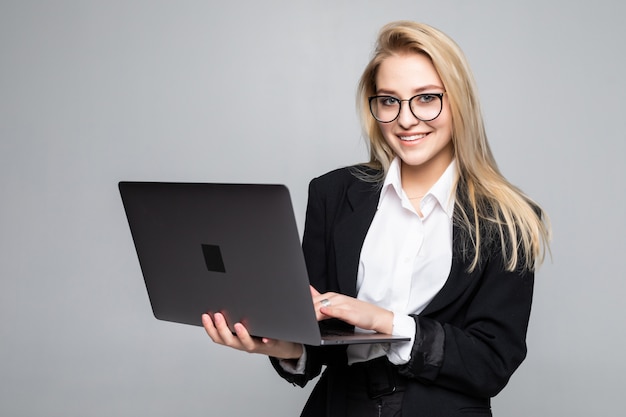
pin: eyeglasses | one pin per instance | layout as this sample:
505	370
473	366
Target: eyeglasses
424	107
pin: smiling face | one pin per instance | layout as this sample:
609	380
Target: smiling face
423	147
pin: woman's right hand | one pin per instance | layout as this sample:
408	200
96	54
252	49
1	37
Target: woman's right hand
218	331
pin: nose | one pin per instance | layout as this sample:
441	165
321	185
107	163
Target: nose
406	118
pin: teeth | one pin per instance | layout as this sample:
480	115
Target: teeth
414	137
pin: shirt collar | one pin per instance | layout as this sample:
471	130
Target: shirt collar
392	181
441	191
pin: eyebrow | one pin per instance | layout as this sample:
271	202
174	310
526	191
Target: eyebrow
416	91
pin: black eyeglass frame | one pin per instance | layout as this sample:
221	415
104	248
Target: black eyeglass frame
439	95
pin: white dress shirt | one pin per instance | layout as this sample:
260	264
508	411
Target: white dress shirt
397	270
405	259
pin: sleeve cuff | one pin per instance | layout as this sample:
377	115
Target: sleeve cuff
293	367
400	353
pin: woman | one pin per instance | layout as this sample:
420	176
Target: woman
427	240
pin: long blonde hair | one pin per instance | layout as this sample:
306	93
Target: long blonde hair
488	208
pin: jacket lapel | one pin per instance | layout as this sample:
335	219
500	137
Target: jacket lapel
458	279
362	199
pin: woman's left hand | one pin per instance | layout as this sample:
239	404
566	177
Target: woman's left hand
351	310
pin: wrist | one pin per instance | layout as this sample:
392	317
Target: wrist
386	323
296	352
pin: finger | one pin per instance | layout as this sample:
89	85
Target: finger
247	342
343	314
322	307
333	312
314	292
207	322
332	305
224	331
318	300
320	316
209	327
362	315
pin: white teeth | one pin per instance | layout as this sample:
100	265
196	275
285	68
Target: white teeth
414	137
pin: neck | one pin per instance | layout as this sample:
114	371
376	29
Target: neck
417	180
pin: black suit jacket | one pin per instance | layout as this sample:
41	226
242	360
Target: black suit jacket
469	339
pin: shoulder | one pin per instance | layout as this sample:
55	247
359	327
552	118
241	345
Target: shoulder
354	184
346	177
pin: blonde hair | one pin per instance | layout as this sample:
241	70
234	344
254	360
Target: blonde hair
488	207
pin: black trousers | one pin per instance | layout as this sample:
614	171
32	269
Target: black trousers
375	389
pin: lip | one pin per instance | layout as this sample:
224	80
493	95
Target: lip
412	137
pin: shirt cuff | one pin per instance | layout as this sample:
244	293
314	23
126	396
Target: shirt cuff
294	367
399	353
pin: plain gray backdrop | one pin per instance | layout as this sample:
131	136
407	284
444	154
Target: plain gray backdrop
94	92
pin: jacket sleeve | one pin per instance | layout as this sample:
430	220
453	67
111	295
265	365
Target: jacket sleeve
477	350
315	247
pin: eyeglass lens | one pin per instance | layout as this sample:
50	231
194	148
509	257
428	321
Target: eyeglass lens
425	107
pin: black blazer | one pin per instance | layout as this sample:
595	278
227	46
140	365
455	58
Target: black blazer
469	339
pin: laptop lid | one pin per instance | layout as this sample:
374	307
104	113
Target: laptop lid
232	248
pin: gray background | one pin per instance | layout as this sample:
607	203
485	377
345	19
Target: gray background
93	92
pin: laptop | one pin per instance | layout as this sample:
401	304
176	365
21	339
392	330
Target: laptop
229	248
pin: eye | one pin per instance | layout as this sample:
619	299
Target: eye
388	101
427	98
